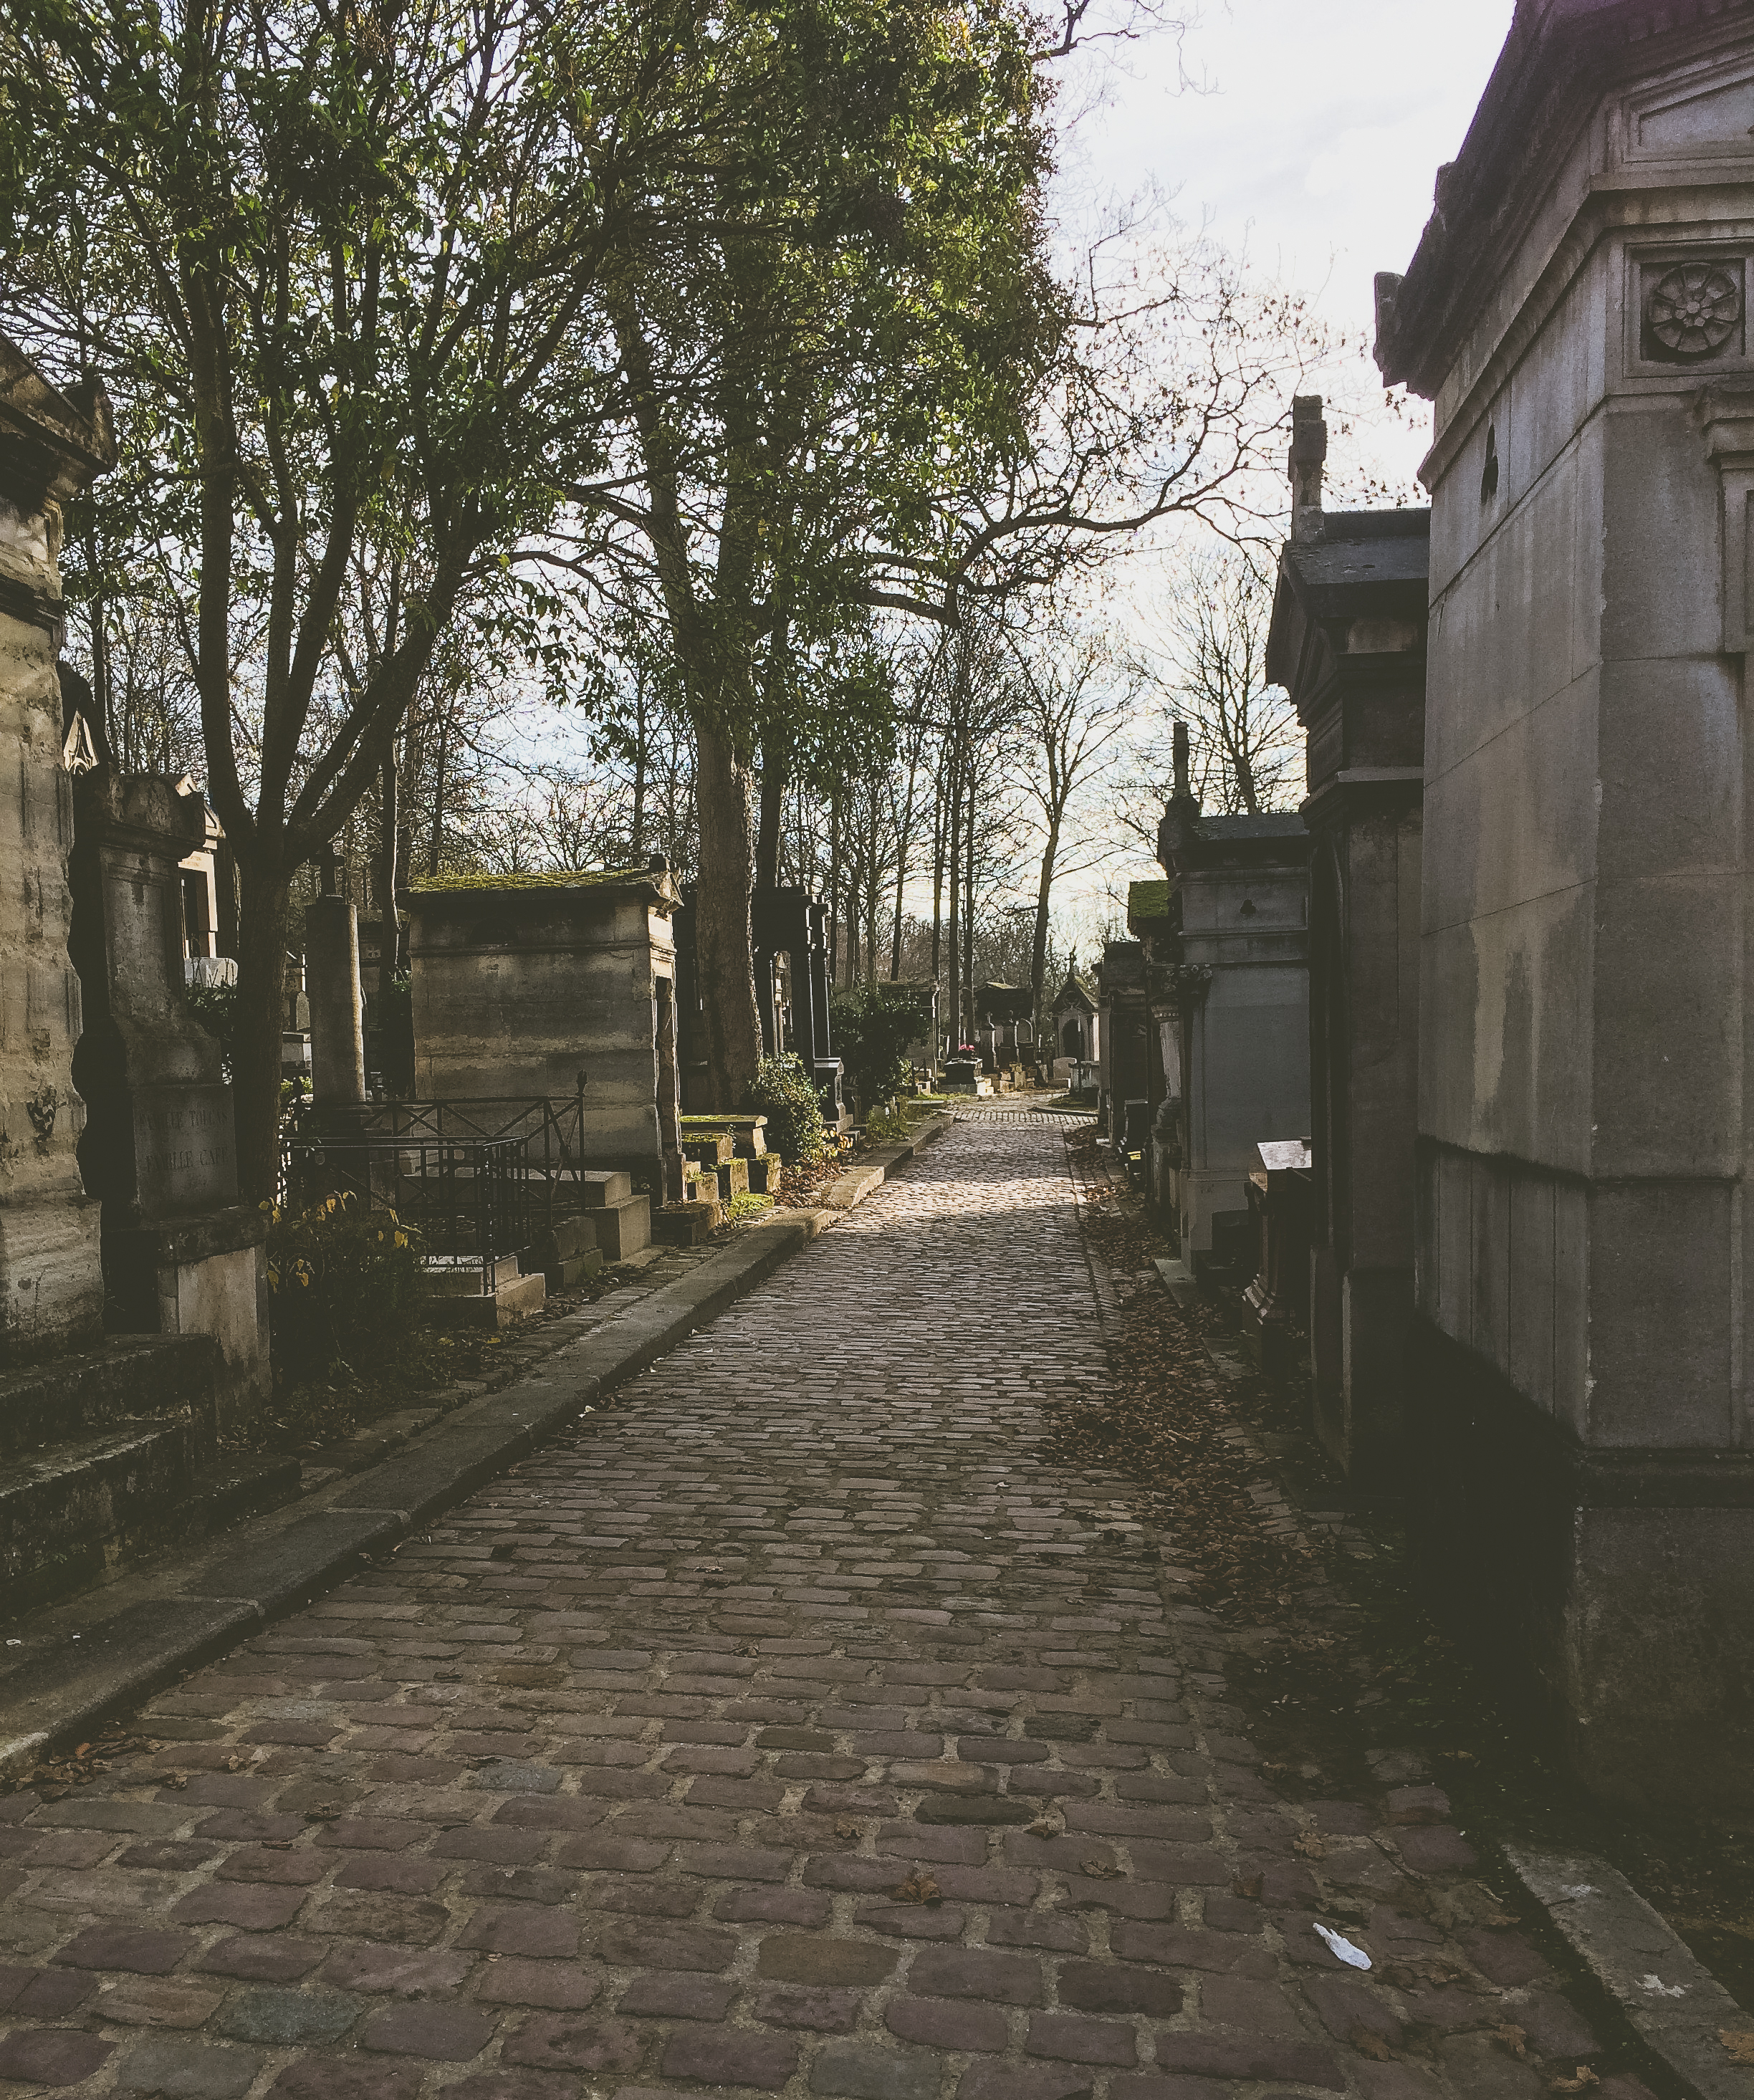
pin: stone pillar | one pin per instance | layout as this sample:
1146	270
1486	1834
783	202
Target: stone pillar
180	1254
338	1011
51	1285
1580	1405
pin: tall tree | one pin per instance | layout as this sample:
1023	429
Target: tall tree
844	290
1074	708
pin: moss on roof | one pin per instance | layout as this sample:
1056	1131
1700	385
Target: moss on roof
558	877
1147	900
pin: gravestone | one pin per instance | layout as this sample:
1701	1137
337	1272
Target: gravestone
1577	313
337	1009
786	920
180	1254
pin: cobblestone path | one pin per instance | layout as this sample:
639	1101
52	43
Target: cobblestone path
796	1729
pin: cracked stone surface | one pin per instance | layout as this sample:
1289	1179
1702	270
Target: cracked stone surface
799	1729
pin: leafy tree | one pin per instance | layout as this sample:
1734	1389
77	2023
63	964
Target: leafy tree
330	253
842	292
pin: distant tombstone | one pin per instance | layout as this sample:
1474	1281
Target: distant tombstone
159	1147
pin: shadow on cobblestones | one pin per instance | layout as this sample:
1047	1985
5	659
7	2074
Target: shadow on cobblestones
807	1726
1345	1681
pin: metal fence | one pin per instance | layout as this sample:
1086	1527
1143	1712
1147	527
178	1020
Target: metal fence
476	1180
468	1200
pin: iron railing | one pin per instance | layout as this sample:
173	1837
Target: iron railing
468	1200
477	1179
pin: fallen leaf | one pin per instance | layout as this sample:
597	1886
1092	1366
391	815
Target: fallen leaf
1581	2082
84	1750
1310	1844
276	1844
1367	2042
235	1764
1513	2039
1100	1870
178	1780
846	1831
919	1888
1740	2042
324	1813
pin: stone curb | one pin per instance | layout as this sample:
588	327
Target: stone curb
875	1167
100	1655
1676	2005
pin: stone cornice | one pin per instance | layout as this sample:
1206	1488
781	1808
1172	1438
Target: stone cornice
1561	60
51	444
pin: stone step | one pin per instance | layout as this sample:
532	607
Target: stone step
624	1227
733	1180
766	1174
747	1133
513	1300
566	1271
561	1240
73	1511
78	1397
598	1189
709	1148
685	1225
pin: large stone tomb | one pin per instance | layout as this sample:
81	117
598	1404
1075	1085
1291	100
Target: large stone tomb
532	987
1348	643
181	1255
1576	312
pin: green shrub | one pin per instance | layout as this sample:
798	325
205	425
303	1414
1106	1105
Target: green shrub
214	1006
887	1123
872	1025
785	1093
343	1286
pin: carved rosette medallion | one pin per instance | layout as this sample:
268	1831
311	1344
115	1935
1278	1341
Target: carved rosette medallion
1693	310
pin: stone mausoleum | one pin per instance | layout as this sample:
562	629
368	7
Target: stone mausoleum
533	986
1238	986
1348	644
1577	313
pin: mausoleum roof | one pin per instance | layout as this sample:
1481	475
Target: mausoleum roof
1075	993
1562	60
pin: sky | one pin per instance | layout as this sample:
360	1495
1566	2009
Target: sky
1306	135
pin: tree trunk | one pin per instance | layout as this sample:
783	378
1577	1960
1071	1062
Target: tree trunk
1038	954
969	909
773	808
637	843
953	831
724	971
388	820
261	926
